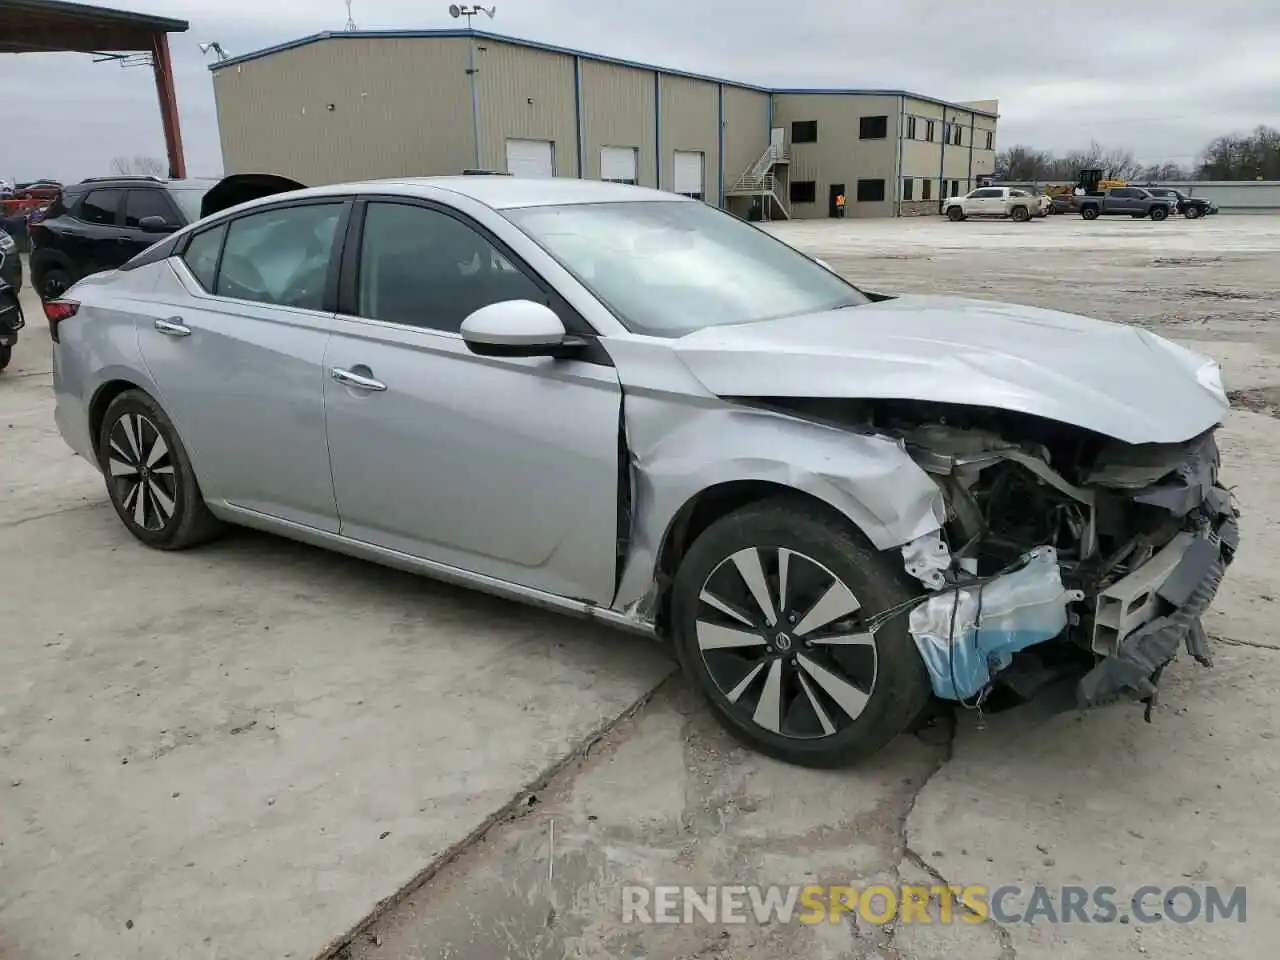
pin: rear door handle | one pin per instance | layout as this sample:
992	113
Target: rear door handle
356	380
173	327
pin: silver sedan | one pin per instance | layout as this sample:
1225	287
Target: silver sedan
841	507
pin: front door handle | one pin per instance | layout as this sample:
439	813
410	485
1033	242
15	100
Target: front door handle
173	327
356	380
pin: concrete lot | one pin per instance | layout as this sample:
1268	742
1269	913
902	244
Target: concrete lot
281	710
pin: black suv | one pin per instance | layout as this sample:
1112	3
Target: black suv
1189	207
101	223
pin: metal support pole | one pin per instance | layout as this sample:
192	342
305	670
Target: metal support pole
162	66
475	97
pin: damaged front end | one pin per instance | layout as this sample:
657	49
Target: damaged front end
1066	555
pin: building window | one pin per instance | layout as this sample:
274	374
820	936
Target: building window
926	189
908	188
928	131
957	135
804	191
804	131
873	128
955	188
991	137
911	128
870	191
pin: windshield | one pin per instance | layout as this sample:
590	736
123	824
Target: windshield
188	200
667	268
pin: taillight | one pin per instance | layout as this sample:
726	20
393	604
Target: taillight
56	311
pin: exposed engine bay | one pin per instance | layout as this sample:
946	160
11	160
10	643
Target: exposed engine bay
1066	555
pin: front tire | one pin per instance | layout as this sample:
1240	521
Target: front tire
955	214
769	617
1020	214
1089	213
1192	213
149	476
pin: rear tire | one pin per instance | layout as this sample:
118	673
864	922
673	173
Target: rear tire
814	689
149	476
1020	214
1089	213
1159	213
955	214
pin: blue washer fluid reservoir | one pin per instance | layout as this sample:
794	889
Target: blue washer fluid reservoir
1017	610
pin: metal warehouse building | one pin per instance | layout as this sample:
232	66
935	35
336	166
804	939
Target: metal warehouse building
364	105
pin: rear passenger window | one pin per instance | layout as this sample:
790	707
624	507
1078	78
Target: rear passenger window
426	269
201	257
100	206
280	256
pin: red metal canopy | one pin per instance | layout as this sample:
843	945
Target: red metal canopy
51	26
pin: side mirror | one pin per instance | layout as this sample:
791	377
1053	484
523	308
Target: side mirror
516	328
156	225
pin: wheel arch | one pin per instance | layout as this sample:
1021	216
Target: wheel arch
706	507
101	400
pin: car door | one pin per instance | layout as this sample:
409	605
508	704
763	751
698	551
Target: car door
99	215
236	347
975	203
155	208
505	467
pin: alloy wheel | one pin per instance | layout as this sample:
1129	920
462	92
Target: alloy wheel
141	469
784	641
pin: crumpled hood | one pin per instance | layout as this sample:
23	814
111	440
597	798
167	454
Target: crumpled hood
1114	379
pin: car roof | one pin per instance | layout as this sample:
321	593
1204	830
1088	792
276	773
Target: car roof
499	192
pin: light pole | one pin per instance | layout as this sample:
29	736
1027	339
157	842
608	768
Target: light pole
470	11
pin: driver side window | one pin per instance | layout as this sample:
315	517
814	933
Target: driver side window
280	256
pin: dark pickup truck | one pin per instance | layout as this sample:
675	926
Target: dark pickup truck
1124	201
1189	207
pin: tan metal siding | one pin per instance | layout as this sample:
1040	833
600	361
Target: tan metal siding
618	109
690	116
525	94
746	130
401	107
839	157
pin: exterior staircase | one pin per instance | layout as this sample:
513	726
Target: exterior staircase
761	182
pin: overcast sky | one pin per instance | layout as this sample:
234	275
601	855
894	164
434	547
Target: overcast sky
1161	78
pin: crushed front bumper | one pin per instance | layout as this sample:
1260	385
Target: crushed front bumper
1168	594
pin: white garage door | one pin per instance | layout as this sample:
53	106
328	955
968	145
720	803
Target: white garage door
618	164
689	174
531	158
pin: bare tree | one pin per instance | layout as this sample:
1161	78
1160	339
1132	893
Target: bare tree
139	166
1022	164
1163	172
1255	156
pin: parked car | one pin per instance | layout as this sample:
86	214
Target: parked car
1190	207
1044	204
634	407
1124	201
992	202
10	261
101	223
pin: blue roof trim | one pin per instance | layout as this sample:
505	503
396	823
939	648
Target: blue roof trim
568	51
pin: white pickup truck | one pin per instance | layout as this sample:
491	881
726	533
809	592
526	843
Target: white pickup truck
997	202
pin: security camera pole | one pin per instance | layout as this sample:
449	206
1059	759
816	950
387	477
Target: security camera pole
457	11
